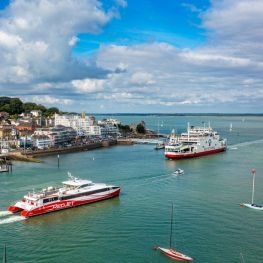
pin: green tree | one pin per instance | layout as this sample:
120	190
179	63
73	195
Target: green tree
51	111
140	128
16	106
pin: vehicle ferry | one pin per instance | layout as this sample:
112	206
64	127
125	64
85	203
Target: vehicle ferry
197	141
71	193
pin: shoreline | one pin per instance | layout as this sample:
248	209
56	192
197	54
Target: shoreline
31	156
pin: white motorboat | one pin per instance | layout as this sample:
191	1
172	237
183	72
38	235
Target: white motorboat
179	171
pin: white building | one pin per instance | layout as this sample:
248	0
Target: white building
54	136
81	124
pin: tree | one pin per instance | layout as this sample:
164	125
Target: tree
11	105
16	106
140	128
51	111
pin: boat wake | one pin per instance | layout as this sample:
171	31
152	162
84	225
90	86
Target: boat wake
7	217
245	144
5	213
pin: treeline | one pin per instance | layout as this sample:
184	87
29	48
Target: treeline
14	106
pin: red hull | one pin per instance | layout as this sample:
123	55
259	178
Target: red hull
192	155
60	205
175	255
14	209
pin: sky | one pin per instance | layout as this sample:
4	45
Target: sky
134	56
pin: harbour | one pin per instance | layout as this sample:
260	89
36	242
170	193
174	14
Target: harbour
209	224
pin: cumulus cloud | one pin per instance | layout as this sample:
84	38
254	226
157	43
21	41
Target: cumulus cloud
37	37
89	85
142	79
36	44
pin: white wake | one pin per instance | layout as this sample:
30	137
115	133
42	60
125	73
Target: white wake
234	147
5	213
7	217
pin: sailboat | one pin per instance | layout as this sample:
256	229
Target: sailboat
230	127
172	253
252	205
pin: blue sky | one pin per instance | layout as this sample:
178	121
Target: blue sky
134	56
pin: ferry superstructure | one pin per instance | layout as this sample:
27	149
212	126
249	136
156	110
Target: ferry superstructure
71	193
197	141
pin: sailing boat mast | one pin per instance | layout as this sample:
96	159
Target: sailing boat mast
253	171
4	256
171	231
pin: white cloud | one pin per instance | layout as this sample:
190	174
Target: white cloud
38	36
36	44
142	78
49	101
89	85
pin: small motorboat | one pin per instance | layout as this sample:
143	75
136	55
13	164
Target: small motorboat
179	171
159	145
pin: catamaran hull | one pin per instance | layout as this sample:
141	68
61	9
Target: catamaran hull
175	254
172	155
60	205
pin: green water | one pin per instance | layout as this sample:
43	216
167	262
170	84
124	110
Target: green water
209	224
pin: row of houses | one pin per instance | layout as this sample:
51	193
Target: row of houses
31	131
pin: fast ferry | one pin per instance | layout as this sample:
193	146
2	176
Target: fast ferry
71	193
197	141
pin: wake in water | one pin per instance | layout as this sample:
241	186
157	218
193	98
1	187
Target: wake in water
5	213
245	144
7	217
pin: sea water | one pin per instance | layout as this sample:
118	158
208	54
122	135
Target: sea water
209	224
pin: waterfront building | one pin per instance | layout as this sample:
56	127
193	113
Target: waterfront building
53	136
42	142
83	125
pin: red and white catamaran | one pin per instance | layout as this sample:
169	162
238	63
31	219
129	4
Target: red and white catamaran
73	192
197	141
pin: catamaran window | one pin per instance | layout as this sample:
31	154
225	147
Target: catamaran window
52	199
85	185
84	194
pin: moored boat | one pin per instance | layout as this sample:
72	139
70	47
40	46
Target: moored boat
73	192
170	252
252	204
196	142
175	254
159	145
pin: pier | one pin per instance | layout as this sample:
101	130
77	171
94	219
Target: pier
5	165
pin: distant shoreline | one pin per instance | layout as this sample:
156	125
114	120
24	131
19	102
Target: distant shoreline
179	114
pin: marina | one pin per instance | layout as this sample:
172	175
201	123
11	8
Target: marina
208	220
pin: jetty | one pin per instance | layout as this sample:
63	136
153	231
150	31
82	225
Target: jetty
5	165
